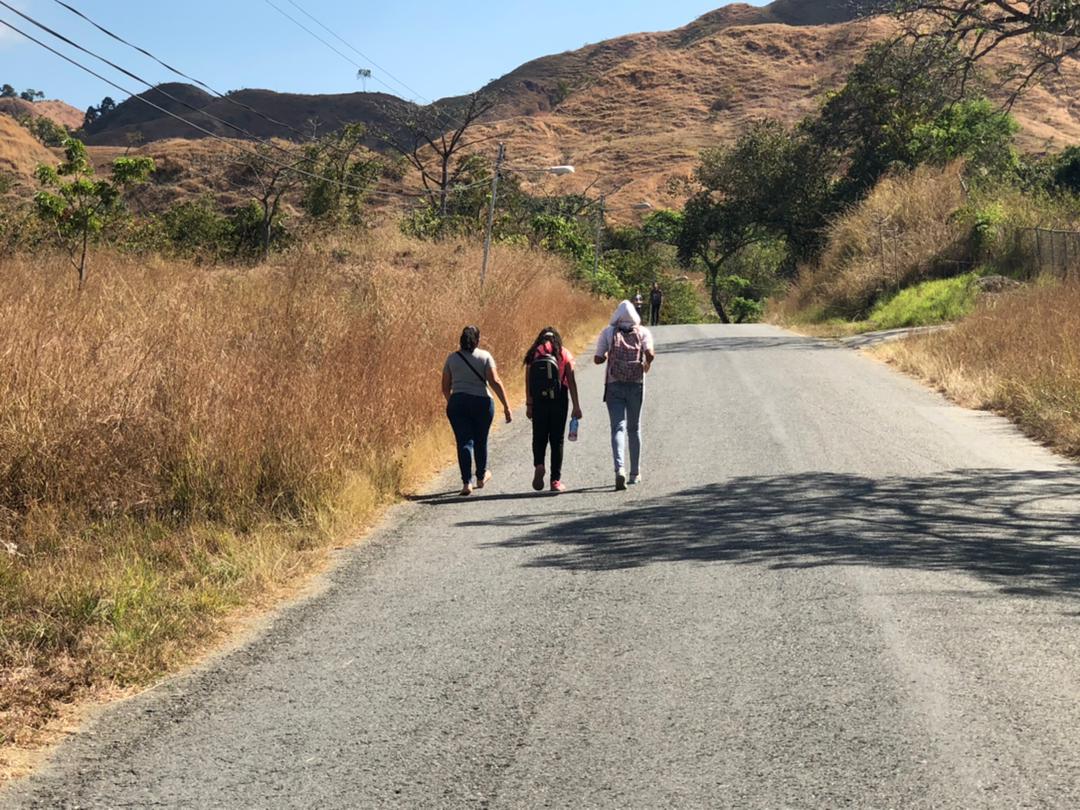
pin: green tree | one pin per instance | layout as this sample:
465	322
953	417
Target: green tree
346	174
771	186
80	206
975	130
7	91
1067	170
31	95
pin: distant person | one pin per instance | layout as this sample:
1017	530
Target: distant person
470	409
628	350
656	303
550	387
639	305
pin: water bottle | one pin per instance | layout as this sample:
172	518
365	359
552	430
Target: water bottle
574	425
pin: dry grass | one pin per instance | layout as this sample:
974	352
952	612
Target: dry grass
20	153
177	443
903	233
1018	355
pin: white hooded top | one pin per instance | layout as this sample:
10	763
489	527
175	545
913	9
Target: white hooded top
625	315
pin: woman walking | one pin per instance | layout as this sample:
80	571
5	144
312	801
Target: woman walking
628	350
470	409
550	386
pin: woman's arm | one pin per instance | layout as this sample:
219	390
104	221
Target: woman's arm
446	384
571	381
528	396
500	392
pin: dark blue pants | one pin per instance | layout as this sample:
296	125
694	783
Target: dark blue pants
471	419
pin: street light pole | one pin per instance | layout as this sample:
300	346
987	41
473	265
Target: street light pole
599	234
491	212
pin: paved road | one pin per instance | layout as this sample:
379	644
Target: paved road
835	590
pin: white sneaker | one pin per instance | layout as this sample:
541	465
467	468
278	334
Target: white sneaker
634	480
620	480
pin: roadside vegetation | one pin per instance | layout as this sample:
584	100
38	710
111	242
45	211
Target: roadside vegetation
1018	356
200	399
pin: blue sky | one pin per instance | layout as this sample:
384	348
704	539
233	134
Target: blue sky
245	43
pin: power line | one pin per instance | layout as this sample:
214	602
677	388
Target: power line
197	127
223	96
440	113
141	80
357	51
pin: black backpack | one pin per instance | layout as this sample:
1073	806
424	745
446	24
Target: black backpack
544	378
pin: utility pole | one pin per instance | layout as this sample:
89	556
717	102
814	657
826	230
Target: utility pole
491	211
599	234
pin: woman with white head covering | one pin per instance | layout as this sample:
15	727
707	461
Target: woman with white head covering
628	350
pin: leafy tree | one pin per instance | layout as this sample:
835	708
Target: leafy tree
47	131
869	124
772	186
346	173
975	130
1067	170
7	91
31	95
80	206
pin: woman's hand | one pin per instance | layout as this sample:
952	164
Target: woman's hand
577	414
529	411
509	416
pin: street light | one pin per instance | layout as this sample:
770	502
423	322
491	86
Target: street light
558	171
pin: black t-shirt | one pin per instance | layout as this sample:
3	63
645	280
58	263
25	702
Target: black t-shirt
657	296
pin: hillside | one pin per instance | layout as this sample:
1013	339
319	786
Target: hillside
634	110
59	111
20	153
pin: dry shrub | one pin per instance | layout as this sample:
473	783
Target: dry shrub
1017	355
905	232
174	441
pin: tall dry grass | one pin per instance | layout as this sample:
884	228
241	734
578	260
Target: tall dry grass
1017	355
905	232
177	442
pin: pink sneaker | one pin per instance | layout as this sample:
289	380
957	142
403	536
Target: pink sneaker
558	486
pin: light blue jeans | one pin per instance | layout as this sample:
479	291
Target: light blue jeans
624	402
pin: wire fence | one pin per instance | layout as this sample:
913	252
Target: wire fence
1053	252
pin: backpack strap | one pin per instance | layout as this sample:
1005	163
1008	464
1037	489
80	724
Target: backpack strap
472	368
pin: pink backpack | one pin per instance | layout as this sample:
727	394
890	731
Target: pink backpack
626	360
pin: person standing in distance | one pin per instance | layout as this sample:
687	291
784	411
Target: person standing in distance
628	350
656	303
466	376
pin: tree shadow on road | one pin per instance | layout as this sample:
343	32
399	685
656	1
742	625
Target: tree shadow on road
744	344
1018	531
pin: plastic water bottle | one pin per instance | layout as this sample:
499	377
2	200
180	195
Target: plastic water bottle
574	425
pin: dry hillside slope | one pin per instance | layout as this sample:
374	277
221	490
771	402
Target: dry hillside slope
636	110
20	153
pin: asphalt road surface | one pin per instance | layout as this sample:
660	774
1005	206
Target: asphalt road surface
833	590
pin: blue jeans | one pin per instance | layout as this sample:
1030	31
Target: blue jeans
624	402
471	419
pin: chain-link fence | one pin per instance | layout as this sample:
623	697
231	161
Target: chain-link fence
1052	252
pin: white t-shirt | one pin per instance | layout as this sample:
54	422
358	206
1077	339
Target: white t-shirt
465	373
603	344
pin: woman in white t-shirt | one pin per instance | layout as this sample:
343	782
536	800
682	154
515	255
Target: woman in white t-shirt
467	374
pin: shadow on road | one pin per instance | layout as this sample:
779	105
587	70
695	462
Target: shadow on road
1019	531
743	344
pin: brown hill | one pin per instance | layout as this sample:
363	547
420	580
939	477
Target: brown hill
59	111
635	111
20	152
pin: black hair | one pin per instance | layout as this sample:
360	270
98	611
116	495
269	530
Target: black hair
549	334
470	338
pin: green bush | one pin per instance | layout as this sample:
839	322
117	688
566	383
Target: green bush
931	302
196	229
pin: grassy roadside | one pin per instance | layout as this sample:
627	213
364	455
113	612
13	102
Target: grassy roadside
179	446
1017	356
